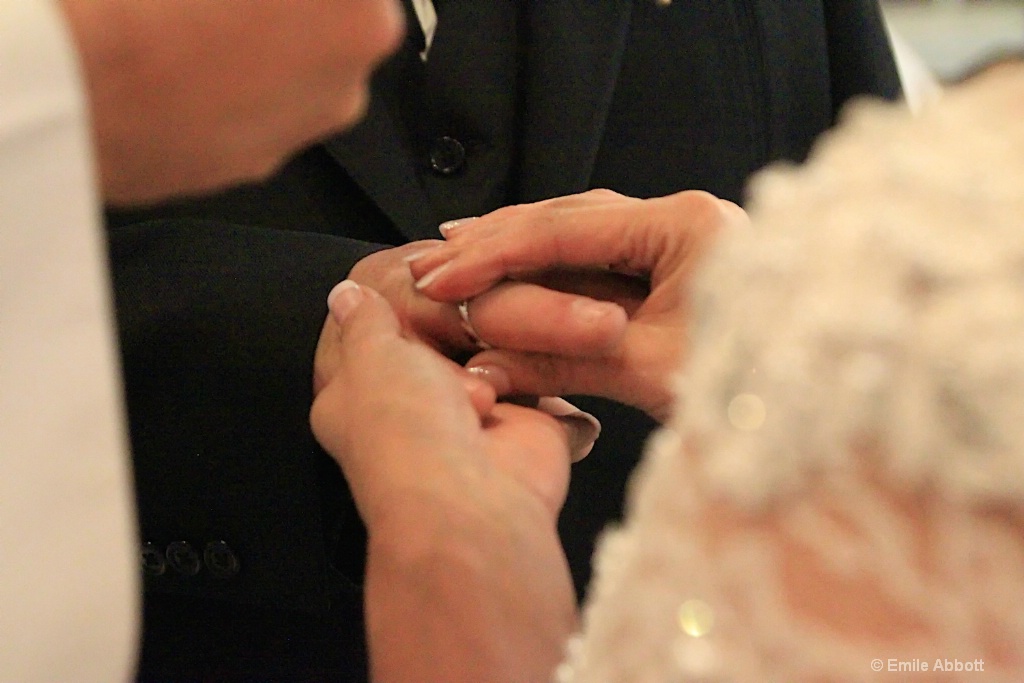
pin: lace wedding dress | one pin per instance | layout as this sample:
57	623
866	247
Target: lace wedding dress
840	495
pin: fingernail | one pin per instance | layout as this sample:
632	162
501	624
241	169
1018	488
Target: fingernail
420	254
589	311
583	452
425	281
584	427
448	226
493	375
345	296
583	440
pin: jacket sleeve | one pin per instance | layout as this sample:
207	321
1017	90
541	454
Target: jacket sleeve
218	326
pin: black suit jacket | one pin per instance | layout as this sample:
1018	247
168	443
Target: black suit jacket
220	301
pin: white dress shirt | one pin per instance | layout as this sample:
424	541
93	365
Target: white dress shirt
69	589
427	18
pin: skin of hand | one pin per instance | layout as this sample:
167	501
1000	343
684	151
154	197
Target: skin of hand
603	242
466	579
523	317
192	95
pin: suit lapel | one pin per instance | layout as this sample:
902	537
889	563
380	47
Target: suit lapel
375	158
574	49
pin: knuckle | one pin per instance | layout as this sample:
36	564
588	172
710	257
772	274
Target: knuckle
512	211
735	215
602	193
700	201
705	209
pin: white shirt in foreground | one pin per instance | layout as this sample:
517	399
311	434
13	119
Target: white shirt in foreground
68	574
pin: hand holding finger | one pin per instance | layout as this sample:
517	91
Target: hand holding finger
380	395
519	316
452	229
639	375
534	448
649	236
527	317
663	238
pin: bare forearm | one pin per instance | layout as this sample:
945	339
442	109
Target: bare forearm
467	602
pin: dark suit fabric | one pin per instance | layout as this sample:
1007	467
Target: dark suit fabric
220	301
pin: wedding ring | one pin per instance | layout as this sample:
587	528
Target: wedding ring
468	326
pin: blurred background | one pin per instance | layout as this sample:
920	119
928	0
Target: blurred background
951	37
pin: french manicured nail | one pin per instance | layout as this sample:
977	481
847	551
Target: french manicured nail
420	254
493	375
448	226
425	281
584	428
345	296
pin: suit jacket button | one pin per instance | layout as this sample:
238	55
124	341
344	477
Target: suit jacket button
447	155
183	558
221	560
153	563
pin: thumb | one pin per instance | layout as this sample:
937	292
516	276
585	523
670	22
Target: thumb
360	323
364	316
360	311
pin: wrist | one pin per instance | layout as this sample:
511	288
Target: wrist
468	595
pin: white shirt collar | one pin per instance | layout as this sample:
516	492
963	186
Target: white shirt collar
428	22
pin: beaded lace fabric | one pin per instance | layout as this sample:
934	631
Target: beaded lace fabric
840	496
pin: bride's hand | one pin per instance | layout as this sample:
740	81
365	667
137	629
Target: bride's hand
637	253
465	574
384	395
